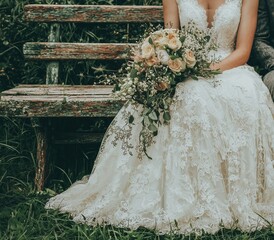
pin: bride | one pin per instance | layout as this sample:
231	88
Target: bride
212	165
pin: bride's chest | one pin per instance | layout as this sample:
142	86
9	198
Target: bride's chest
227	15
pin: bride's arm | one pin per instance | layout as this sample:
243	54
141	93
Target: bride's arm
171	14
244	39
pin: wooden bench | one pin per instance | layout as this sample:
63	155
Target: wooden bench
43	102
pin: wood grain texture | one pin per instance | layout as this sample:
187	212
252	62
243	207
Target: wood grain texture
76	51
65	90
59	101
42	152
93	13
78	138
52	75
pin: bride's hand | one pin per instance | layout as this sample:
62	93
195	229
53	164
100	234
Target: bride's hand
215	66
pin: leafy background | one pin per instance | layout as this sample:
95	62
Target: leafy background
22	215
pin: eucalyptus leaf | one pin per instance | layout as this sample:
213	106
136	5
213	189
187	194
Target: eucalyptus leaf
152	128
150	41
146	111
166	116
133	73
116	88
183	38
153	116
173	57
146	121
207	38
131	119
155	133
172	82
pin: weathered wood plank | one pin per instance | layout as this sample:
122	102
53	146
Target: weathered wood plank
42	154
61	98
59	101
59	109
78	138
59	90
52	75
75	51
53	92
60	86
93	13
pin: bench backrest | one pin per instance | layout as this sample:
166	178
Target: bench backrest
54	51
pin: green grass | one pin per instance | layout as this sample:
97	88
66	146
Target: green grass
22	213
24	217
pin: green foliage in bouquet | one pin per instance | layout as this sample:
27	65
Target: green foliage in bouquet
163	59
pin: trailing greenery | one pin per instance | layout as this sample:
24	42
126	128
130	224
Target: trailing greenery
22	213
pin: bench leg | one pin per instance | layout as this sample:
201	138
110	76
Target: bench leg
42	139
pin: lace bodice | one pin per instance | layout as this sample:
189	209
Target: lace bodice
224	26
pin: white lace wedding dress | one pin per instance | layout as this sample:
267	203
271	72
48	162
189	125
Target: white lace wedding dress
212	165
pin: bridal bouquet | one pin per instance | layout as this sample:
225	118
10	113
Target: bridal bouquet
160	61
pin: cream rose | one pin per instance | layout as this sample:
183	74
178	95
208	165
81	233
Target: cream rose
147	50
174	42
163	56
161	40
190	59
177	65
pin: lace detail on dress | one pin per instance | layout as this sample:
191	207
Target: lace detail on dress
121	133
224	26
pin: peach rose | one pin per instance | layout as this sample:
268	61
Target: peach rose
177	65
152	61
174	42
190	59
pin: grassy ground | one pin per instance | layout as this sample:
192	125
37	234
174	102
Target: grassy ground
22	213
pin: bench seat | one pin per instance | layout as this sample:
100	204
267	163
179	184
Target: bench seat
59	101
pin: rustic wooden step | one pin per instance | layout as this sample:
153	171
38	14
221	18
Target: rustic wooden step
59	101
72	51
93	13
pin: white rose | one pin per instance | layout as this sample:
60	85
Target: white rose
177	65
163	56
147	50
190	58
